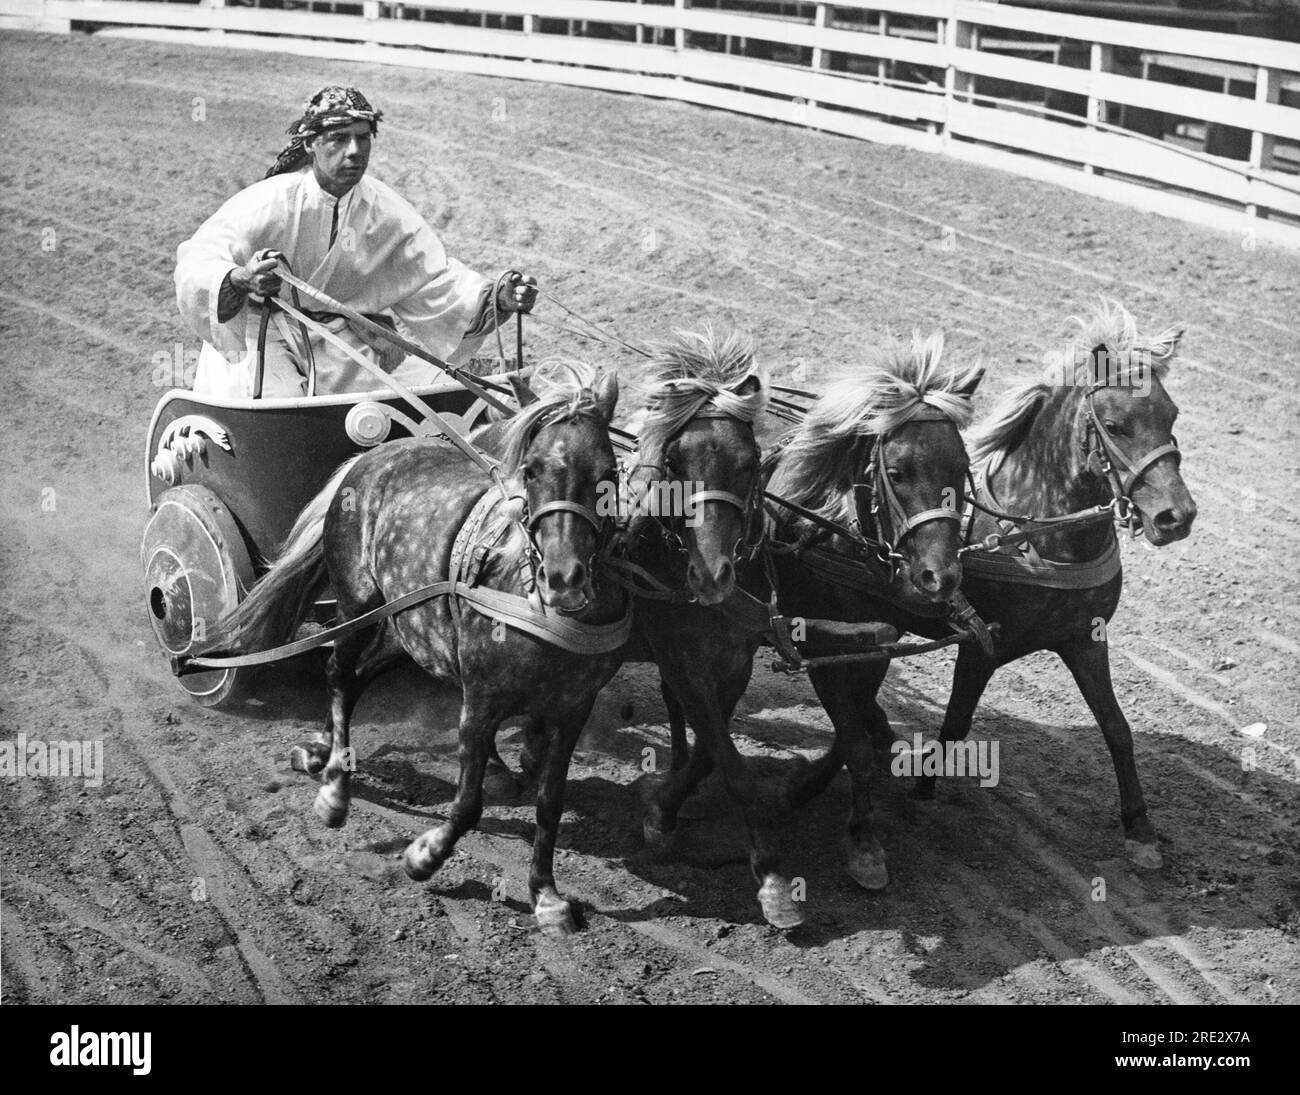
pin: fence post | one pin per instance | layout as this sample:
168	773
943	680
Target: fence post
956	35
882	63
819	22
529	26
1268	89
1102	59
679	34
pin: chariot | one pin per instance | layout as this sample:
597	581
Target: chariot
225	479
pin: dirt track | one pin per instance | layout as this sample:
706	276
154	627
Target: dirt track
646	216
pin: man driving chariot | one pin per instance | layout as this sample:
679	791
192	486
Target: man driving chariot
350	236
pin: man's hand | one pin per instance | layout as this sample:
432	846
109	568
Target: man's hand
258	275
519	294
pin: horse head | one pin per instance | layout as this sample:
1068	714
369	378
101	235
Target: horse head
560	452
911	497
1128	440
881	450
699	469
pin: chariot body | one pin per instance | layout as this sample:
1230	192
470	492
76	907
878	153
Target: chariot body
224	481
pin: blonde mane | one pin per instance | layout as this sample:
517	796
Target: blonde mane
691	371
564	391
1074	367
824	456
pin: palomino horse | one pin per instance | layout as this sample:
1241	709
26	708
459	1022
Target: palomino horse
880	461
409	514
1092	440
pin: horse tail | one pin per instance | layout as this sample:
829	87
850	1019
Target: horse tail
282	597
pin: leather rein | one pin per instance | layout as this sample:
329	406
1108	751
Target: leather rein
1121	475
641	582
890	533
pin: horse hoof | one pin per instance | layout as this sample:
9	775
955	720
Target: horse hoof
308	758
1146	856
418	862
779	907
331	807
555	917
866	867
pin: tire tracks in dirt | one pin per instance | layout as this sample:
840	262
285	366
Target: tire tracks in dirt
184	973
206	857
93	331
503	856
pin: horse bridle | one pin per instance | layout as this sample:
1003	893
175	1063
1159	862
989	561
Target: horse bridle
900	523
529	520
1121	474
748	506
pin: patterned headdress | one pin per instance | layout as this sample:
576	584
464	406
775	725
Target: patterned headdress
330	107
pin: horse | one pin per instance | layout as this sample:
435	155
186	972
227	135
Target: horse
696	479
895	425
1092	440
410	513
864	525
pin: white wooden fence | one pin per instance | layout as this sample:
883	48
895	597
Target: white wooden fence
908	72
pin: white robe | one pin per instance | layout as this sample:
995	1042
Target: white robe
385	259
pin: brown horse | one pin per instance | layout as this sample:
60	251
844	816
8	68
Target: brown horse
880	460
696	478
1095	432
1092	438
390	521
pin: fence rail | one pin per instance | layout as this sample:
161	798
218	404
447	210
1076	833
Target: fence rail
962	77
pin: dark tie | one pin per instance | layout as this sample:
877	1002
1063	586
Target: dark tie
334	225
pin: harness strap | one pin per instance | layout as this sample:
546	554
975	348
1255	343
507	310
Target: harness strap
1012	535
851	573
565	507
720	496
1135	472
441	424
887	652
941	514
824	523
370	327
624	572
468	555
1017	570
185	664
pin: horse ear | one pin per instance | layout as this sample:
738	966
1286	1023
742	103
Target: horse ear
751	385
523	393
605	394
1099	364
968	389
1171	337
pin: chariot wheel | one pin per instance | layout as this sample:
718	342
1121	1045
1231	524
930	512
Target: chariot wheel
196	568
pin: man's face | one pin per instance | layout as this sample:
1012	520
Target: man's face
339	157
